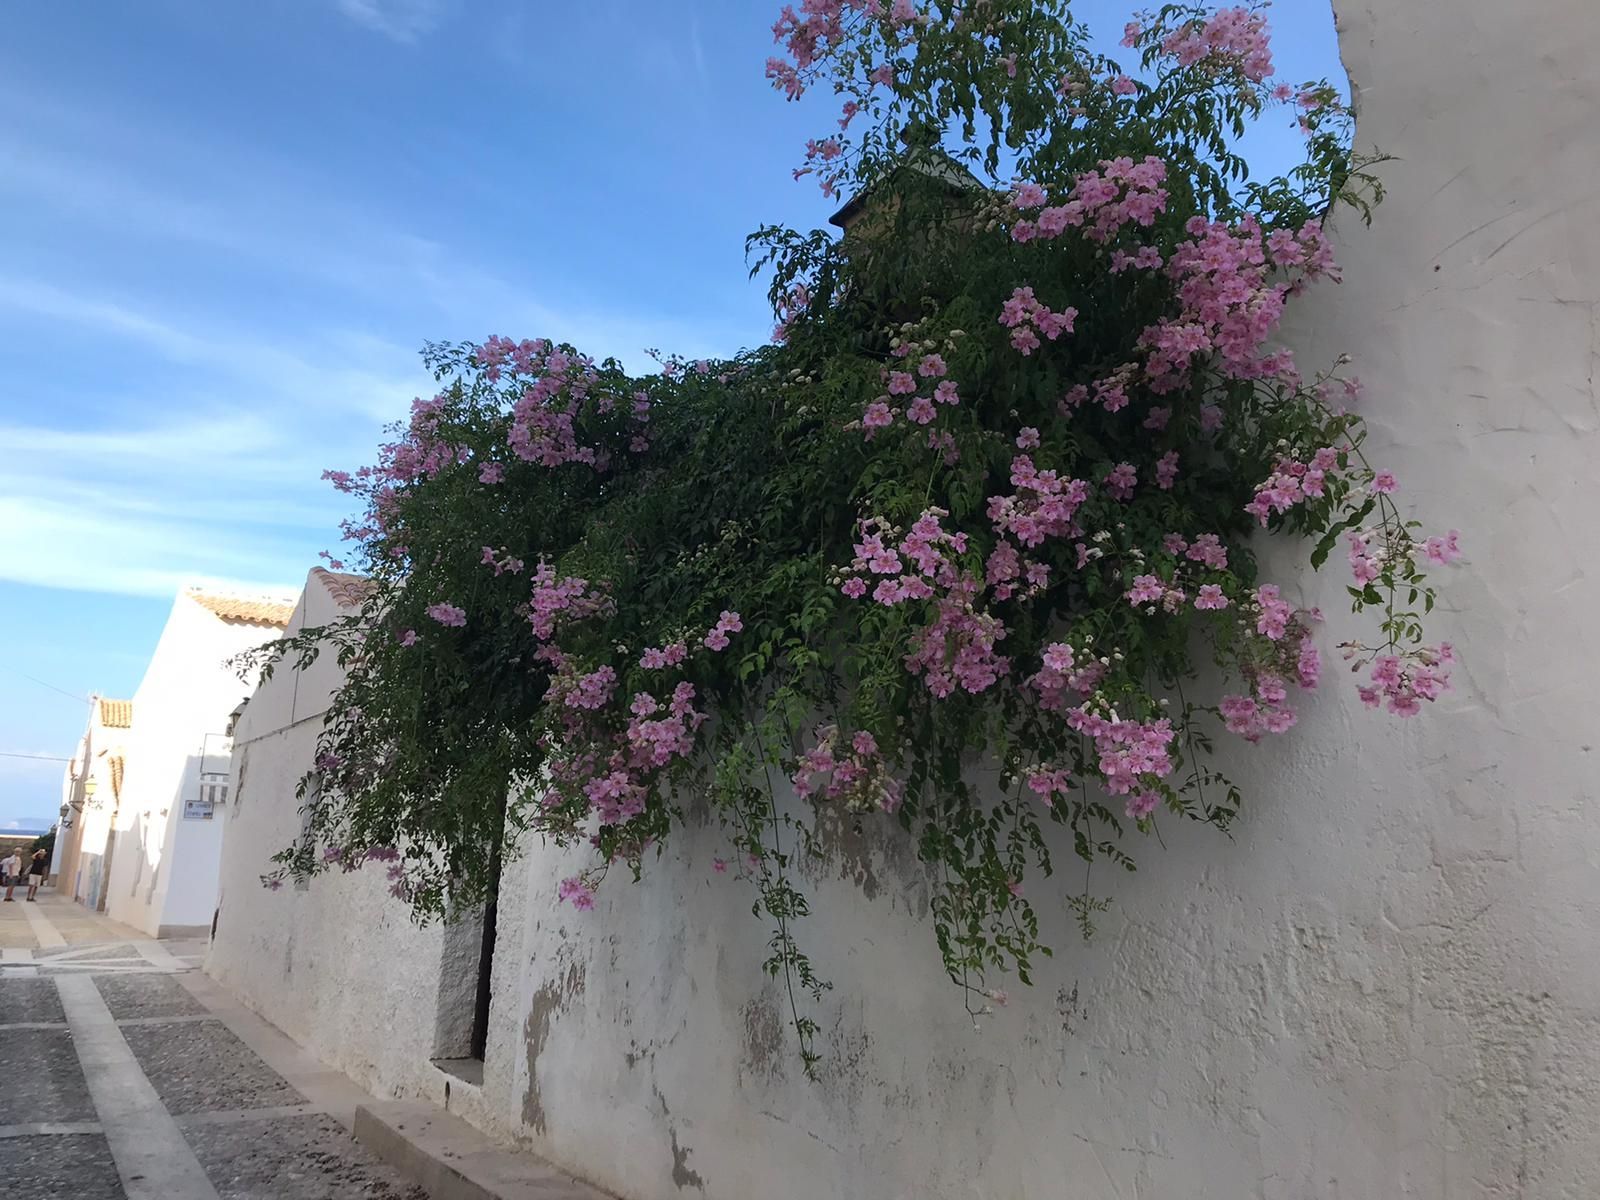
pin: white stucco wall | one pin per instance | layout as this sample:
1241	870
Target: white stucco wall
1383	986
163	870
336	962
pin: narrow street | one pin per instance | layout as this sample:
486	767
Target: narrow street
125	1073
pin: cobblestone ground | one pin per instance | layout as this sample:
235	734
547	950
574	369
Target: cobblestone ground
123	1082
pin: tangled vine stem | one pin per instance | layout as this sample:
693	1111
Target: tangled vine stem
995	481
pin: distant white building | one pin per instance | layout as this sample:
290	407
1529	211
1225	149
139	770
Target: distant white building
152	848
91	790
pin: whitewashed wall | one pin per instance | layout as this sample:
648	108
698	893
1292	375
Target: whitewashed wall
335	962
1384	986
163	872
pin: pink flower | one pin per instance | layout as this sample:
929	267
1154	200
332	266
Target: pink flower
1442	551
1120	482
932	367
946	393
1208	549
1273	622
901	383
1210	597
1167	470
717	637
1146	589
576	892
408	638
447	614
1027	438
491	472
1058	656
920	411
1029	195
1384	484
878	416
1141	805
1024	339
1123	86
719	865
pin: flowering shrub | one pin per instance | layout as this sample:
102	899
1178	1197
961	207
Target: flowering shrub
988	499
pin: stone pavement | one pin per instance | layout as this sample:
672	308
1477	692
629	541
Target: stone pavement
125	1074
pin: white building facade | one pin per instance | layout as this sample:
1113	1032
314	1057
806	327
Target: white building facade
91	794
1384	985
165	837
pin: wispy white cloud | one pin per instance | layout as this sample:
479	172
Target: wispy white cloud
403	20
206	470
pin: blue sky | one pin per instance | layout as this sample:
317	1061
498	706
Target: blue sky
230	227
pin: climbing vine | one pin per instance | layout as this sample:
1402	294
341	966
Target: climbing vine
988	501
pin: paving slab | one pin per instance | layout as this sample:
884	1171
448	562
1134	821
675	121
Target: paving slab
87	953
29	1000
153	1160
294	1158
146	996
198	1066
75	1165
43	1080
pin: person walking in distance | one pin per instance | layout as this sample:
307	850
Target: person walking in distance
37	870
10	868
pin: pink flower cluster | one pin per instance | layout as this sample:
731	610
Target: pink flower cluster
1061	673
1024	314
1101	202
1406	681
1043	506
1235	36
1150	590
717	637
501	561
1283	653
856	772
927	548
1121	481
958	648
1132	757
447	614
1293	482
555	600
1228	306
881	413
577	892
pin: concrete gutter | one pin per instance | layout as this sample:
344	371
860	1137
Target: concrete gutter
453	1161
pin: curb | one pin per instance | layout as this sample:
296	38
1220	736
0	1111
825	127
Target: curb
451	1160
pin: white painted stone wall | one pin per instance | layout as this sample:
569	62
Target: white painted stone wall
163	872
336	962
1384	986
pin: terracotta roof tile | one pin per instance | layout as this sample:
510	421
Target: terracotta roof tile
116	714
245	610
348	591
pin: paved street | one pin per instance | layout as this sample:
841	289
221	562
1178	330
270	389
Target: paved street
125	1073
